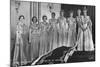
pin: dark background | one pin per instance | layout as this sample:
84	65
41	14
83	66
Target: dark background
90	11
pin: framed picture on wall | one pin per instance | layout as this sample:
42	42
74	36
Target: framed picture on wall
45	33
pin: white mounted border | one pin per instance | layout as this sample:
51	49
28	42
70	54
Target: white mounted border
80	2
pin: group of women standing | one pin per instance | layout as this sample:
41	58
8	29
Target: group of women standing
45	36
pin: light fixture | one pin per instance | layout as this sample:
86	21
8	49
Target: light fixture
17	5
50	7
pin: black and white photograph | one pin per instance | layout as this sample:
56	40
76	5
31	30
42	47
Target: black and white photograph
44	33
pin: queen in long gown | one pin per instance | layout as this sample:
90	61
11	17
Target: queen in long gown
71	31
85	35
34	39
19	56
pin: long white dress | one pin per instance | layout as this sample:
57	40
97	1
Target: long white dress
26	45
19	57
62	29
43	38
85	42
35	40
71	32
80	33
65	33
53	34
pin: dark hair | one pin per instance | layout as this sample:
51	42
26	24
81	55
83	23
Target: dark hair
84	8
21	16
62	11
44	16
53	13
78	10
33	18
71	11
